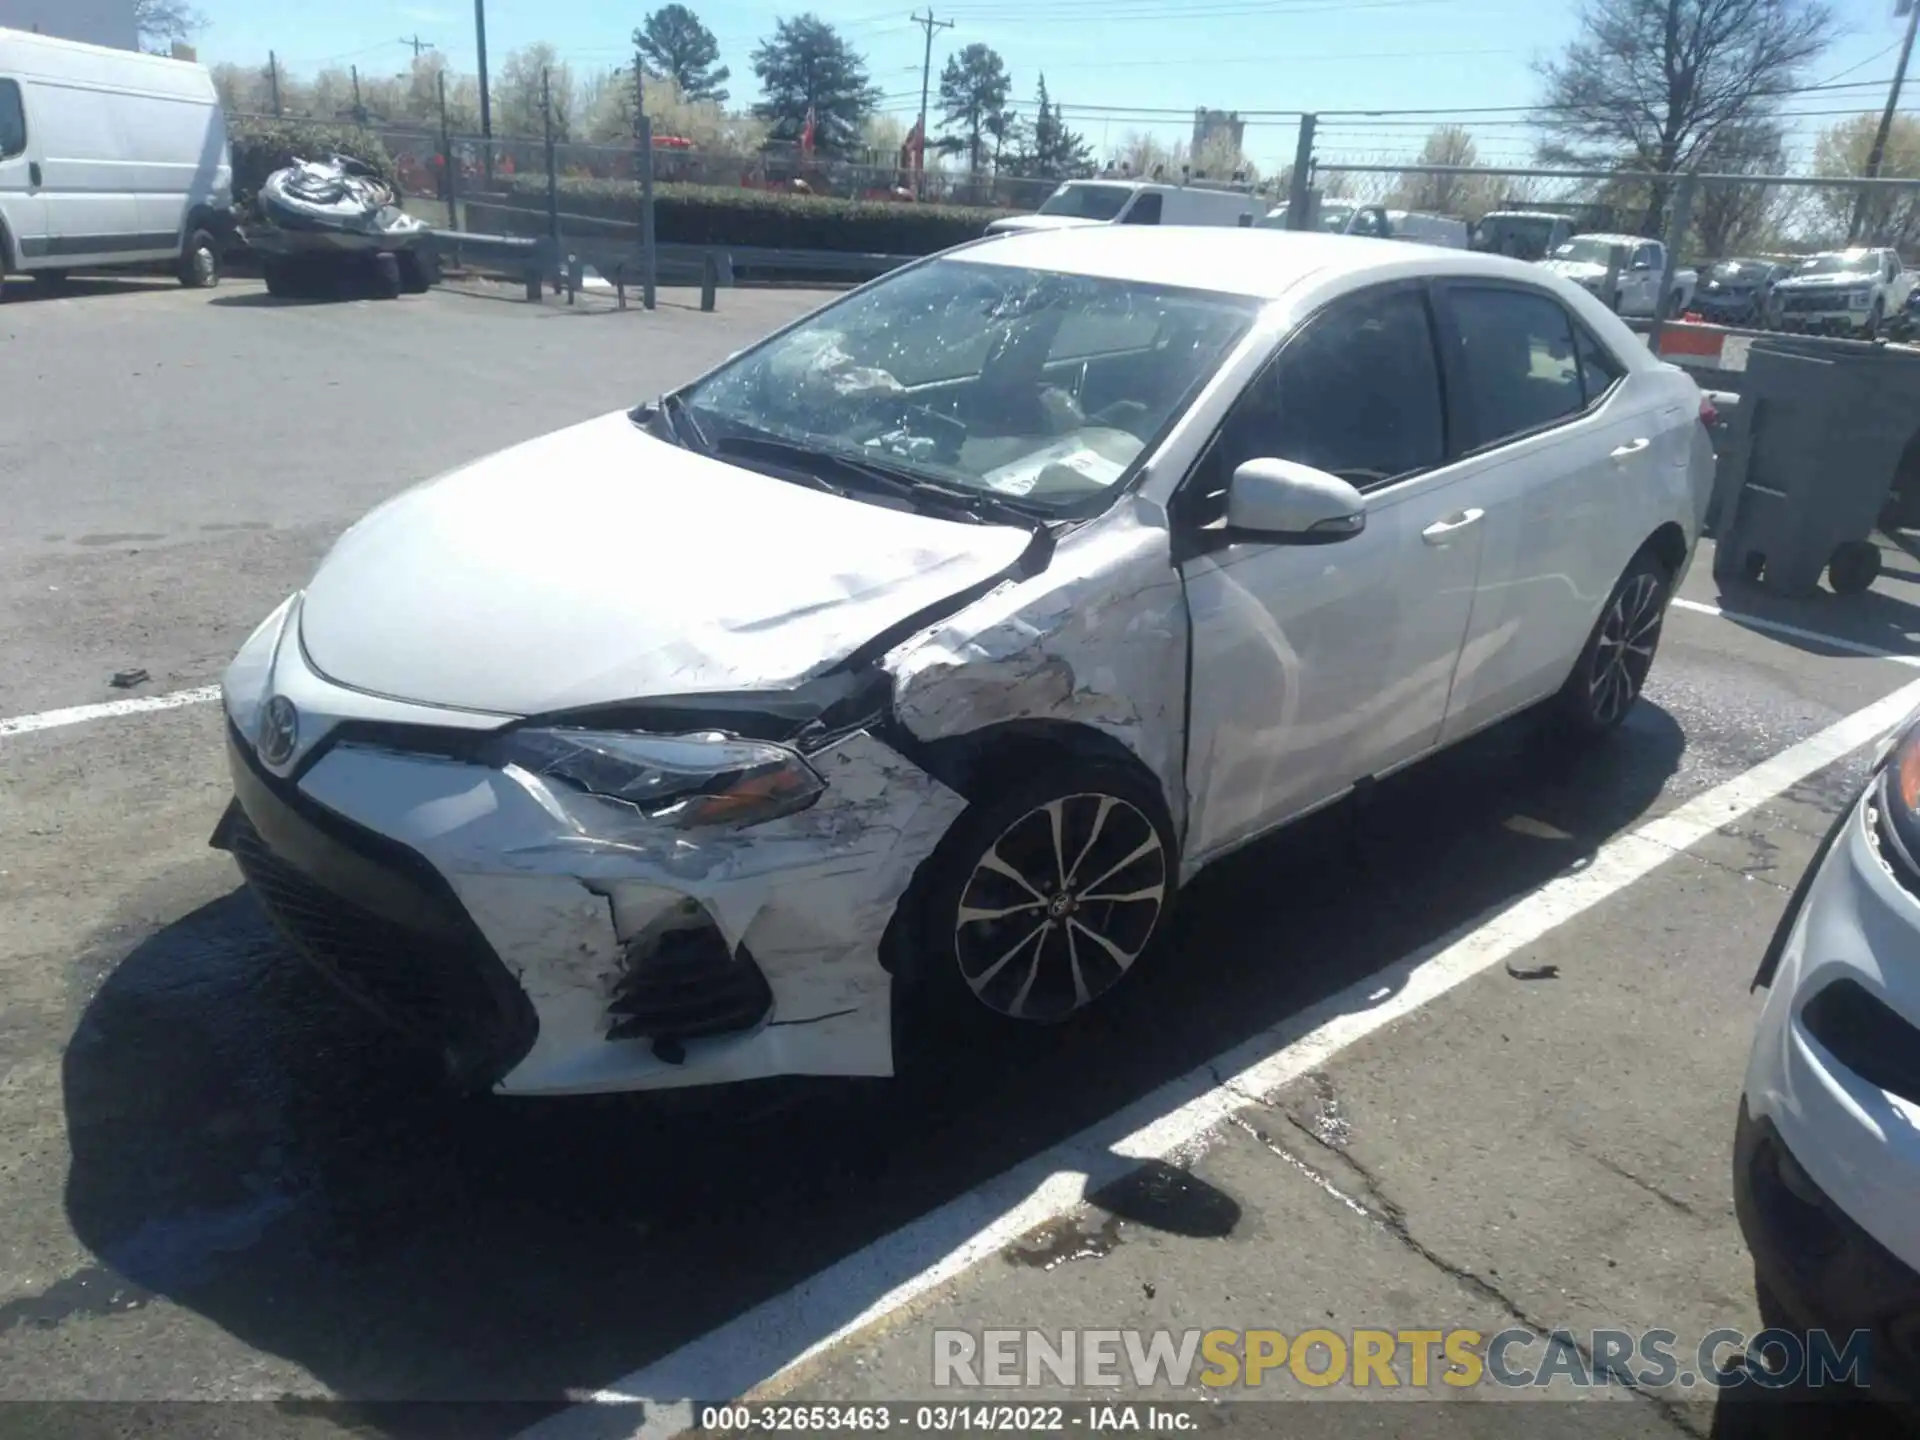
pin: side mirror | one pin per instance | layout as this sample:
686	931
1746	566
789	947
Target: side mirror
1284	500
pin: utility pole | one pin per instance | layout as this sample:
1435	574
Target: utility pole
643	170
359	110
1877	156
930	24
486	108
416	43
273	79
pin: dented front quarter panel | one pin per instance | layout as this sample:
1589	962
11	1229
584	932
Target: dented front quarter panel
558	881
1097	639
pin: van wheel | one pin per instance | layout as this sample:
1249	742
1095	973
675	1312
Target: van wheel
1613	666
199	267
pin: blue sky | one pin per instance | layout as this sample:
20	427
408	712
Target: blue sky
1110	61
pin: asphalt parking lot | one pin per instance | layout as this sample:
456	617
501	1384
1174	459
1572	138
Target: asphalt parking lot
1470	1059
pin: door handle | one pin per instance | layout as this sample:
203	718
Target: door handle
1441	531
1631	448
33	173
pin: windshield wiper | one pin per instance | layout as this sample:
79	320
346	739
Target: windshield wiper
679	417
877	477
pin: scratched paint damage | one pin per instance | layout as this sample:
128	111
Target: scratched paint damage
562	882
1098	639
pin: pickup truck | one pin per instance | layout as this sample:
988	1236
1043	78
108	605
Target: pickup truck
1586	258
1842	291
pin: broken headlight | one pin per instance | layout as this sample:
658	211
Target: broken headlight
682	780
1899	792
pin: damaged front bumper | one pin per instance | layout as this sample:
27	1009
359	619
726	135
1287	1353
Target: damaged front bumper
546	941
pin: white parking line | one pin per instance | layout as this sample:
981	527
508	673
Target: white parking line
762	1350
106	710
1779	627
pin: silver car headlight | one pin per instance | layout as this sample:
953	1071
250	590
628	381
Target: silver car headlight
682	780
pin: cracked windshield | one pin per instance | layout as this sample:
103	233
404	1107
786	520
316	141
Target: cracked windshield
1023	384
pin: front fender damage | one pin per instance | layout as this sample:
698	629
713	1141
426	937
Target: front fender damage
1097	640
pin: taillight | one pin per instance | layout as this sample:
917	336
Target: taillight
1709	416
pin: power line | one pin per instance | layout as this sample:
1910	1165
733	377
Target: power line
417	43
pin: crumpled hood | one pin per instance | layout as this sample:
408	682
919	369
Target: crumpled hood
600	564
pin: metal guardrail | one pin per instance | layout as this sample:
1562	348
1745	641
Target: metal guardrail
540	261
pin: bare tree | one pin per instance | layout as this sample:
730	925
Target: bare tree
1144	156
1466	196
1842	150
1731	218
520	93
1651	84
161	22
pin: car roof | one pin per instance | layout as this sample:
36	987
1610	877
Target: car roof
1614	239
1263	264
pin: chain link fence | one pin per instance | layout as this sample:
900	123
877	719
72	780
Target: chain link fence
1609	228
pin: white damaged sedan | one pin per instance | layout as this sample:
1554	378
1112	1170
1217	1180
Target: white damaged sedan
891	678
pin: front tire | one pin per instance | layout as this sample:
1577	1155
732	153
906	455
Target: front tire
1613	665
1041	900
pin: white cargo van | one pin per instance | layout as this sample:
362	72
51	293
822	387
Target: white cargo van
1136	202
109	157
1341	218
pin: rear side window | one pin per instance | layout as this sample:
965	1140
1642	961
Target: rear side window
1518	352
13	121
1600	371
1145	211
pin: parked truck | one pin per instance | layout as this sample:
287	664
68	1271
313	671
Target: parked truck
1842	292
1587	260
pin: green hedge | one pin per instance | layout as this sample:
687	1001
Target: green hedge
261	147
719	215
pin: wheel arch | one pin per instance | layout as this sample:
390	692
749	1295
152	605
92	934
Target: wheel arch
8	260
971	763
967	763
1668	545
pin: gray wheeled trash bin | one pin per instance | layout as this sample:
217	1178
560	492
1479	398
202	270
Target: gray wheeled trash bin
1816	442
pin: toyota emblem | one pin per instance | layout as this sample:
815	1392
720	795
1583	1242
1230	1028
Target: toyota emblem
279	731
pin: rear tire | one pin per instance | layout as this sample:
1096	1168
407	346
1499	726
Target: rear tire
280	278
199	264
1041	899
1613	665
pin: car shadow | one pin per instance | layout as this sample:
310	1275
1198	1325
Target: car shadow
244	1145
75	287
